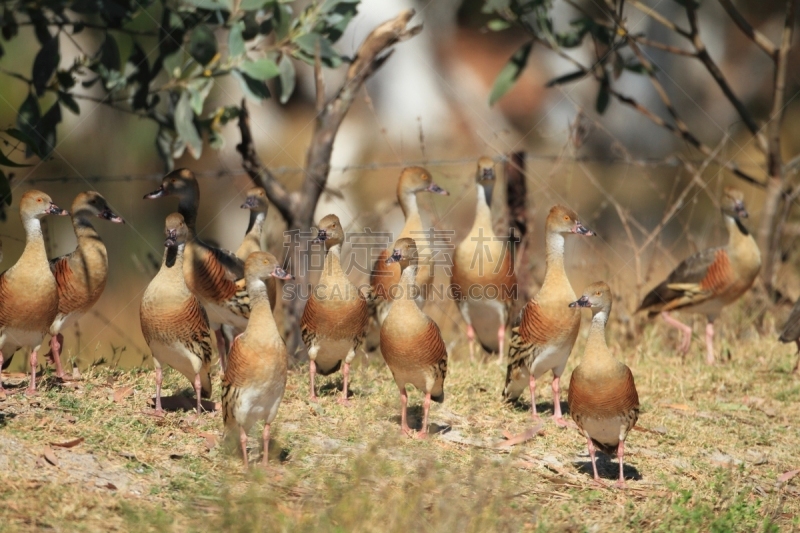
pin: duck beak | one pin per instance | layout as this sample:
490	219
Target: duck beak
580	229
321	236
109	215
172	238
583	301
158	193
281	274
740	210
487	174
55	210
249	203
395	257
437	190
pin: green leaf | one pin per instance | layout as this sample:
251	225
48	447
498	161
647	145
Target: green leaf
498	25
254	89
46	130
5	192
28	117
307	45
252	5
109	53
212	5
198	91
164	144
40	24
236	40
603	97
261	69
203	45
20	136
184	125
69	102
141	77
65	79
6	162
566	78
45	65
510	72
287	78
496	6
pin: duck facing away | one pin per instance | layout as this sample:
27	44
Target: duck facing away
254	383
386	275
411	342
791	332
174	323
546	329
602	394
80	275
708	281
210	272
28	290
336	315
483	270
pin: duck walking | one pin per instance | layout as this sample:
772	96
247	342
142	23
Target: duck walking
174	323
255	380
411	342
385	276
28	290
602	395
547	327
336	315
708	281
483	270
80	275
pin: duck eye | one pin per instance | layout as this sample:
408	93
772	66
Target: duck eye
597	294
39	200
566	217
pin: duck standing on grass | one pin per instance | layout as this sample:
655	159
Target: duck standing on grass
174	324
82	274
547	327
255	380
28	290
602	395
411	342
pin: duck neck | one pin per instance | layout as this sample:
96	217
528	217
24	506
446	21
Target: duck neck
84	230
332	269
408	279
261	317
737	231
483	210
256	224
188	203
554	258
34	240
408	203
596	343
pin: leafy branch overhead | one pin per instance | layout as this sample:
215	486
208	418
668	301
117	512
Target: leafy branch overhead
160	60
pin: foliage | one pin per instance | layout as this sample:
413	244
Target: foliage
194	43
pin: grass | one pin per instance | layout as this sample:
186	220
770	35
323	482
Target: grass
715	441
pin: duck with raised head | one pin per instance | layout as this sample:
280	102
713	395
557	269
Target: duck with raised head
385	275
174	323
336	315
411	342
254	383
483	269
546	329
602	396
210	272
81	275
708	281
28	290
257	203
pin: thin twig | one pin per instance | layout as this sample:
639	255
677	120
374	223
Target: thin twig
753	34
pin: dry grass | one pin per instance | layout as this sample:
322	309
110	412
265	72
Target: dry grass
717	440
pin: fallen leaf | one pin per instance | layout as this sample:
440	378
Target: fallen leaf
210	440
50	456
786	476
176	456
522	437
110	486
69	444
121	394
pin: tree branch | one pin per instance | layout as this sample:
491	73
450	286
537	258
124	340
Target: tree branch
259	173
753	34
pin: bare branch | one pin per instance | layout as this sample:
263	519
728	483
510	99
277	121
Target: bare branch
259	173
641	39
655	15
756	36
319	80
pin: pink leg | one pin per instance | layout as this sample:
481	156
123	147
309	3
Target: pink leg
197	388
346	373
471	338
501	341
426	406
56	342
558	418
686	339
265	440
159	377
532	387
34	362
710	343
590	445
312	371
403	408
223	354
243	443
795	370
620	455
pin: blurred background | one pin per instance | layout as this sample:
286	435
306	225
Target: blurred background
429	105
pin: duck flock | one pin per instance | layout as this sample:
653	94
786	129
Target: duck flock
200	288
